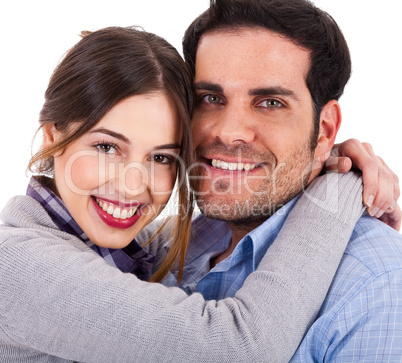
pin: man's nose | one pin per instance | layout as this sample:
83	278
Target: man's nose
232	126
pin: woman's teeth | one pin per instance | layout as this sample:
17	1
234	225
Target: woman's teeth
219	164
117	212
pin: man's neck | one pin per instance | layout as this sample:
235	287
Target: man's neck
238	232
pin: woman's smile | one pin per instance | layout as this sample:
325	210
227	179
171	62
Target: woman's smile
117	177
117	216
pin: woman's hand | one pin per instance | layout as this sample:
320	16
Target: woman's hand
380	184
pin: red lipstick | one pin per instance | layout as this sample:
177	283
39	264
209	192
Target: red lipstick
116	222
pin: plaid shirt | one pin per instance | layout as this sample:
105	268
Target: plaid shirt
361	318
133	258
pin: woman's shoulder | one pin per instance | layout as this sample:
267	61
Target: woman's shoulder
24	219
24	211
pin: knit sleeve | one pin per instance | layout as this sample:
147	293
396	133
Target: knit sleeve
300	265
69	303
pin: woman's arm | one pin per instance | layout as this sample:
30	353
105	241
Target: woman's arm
380	184
71	304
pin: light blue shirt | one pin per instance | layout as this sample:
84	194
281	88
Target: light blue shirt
210	238
361	318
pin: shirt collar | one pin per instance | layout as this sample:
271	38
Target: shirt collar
264	235
136	260
210	238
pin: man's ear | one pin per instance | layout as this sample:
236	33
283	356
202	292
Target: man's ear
50	135
330	122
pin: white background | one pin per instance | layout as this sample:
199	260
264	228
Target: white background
35	34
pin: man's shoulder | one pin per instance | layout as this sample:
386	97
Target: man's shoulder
373	246
374	250
364	304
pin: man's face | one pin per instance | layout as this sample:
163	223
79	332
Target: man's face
252	125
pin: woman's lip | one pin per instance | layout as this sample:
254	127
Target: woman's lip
116	222
116	203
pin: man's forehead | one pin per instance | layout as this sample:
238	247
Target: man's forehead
252	32
250	58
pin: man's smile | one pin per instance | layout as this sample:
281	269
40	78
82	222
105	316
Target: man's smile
223	165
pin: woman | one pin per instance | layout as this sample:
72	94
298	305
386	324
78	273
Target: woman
93	100
116	137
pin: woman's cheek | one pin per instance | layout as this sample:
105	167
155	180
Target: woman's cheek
162	183
86	173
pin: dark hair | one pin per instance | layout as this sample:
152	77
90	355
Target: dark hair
298	20
104	68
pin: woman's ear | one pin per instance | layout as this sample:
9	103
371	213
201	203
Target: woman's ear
50	135
330	122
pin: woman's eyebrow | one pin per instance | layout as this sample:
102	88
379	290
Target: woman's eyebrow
127	141
111	133
167	146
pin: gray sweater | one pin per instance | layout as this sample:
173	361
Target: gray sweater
58	298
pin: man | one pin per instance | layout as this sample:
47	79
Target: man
268	75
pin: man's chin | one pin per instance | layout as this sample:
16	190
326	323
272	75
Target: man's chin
238	212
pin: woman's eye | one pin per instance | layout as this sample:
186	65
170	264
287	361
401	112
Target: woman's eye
106	148
164	159
270	103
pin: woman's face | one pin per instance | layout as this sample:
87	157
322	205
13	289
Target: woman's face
118	176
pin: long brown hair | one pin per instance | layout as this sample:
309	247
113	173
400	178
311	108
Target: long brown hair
102	69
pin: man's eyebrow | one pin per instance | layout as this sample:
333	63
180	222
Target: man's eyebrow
111	133
273	91
207	86
263	91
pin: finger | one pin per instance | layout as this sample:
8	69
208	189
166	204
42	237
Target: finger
340	164
363	158
395	180
370	184
369	149
384	202
393	218
353	147
397	190
374	169
384	199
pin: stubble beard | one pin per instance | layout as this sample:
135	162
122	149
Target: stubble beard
249	208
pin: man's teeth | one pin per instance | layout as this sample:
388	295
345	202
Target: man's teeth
219	164
117	212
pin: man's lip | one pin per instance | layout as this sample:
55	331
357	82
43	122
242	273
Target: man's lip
229	159
208	161
245	168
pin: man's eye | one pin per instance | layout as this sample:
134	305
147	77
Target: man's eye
213	99
270	103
